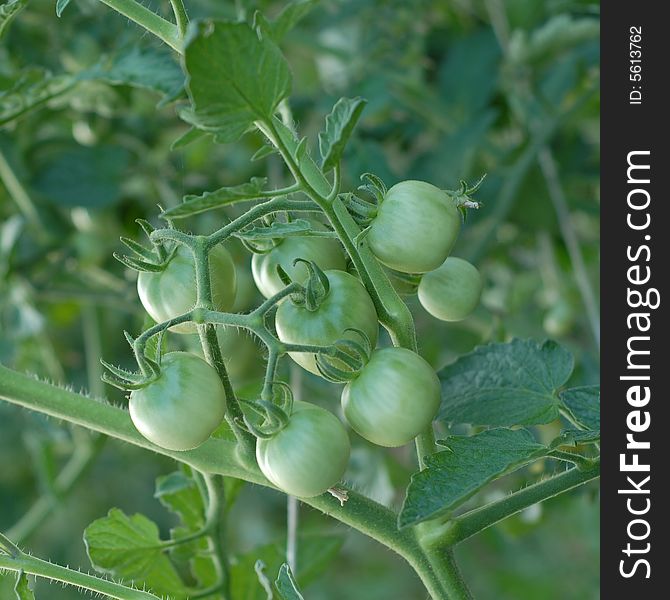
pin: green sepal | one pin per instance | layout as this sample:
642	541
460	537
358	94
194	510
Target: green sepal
136	264
138	249
317	285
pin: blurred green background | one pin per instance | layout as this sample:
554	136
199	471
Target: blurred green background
456	89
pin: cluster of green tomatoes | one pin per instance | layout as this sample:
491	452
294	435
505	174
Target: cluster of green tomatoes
390	394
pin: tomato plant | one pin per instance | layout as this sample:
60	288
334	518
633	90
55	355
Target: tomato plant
286	279
181	408
393	399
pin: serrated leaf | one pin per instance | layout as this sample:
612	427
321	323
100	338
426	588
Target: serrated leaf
286	586
180	494
452	476
340	124
193	205
234	77
8	11
129	548
315	552
514	383
286	20
583	404
299	227
61	5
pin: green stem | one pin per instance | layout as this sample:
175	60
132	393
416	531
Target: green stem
468	524
149	20
40	568
18	192
215	503
180	16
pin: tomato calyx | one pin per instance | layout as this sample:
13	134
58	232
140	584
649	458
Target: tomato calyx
272	415
462	197
143	259
314	291
128	381
350	354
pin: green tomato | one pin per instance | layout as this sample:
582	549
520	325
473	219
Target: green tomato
327	253
309	455
415	228
346	306
451	292
393	399
183	406
172	291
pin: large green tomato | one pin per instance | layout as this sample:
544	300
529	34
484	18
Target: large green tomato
394	398
309	455
327	253
451	292
181	408
172	291
415	228
346	306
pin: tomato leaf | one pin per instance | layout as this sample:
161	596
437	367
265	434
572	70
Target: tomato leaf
515	383
180	495
234	78
583	405
340	124
454	475
193	205
286	586
129	547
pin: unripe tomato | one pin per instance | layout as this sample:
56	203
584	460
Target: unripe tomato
309	455
415	228
172	292
451	292
181	408
346	306
394	398
327	253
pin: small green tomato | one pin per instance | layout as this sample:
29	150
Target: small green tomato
309	455
451	292
183	406
172	291
393	399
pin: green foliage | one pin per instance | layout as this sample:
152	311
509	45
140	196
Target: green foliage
85	151
469	463
340	124
224	62
129	547
506	384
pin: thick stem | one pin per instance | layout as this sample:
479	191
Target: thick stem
180	16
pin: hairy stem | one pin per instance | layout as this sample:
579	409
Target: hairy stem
149	20
40	568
